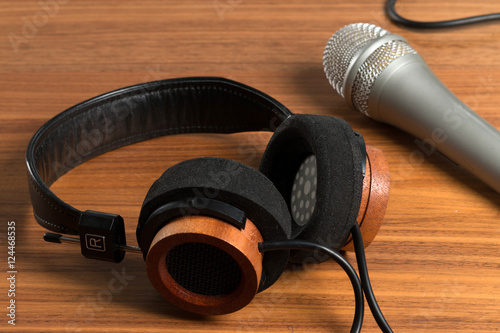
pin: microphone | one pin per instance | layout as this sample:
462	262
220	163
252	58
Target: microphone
382	76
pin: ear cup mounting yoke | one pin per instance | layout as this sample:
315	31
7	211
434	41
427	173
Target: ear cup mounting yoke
191	206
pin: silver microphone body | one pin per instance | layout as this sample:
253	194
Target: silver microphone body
379	74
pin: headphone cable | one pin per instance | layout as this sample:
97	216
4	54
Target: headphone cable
295	244
394	16
357	285
359	249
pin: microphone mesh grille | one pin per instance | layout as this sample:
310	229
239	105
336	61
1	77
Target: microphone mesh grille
371	69
343	47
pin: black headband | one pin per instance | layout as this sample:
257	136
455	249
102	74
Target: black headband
133	114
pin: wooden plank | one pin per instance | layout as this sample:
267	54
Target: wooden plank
435	263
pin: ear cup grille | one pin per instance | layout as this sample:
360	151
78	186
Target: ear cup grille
303	196
203	269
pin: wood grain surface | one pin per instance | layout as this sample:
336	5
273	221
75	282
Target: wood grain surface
435	264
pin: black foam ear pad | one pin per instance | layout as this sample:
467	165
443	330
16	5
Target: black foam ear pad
316	161
235	184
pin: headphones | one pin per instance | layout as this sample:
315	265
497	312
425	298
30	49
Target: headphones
202	222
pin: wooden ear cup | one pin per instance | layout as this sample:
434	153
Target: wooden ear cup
374	198
204	265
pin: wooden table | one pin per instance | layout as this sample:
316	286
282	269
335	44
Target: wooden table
435	265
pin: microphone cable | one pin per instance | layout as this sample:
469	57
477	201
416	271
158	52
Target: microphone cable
357	285
394	16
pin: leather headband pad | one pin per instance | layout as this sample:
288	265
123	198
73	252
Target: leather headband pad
133	114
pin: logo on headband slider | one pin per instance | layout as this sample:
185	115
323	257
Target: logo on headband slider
95	242
102	235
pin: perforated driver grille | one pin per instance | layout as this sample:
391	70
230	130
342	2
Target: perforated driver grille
303	196
371	69
342	48
203	269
